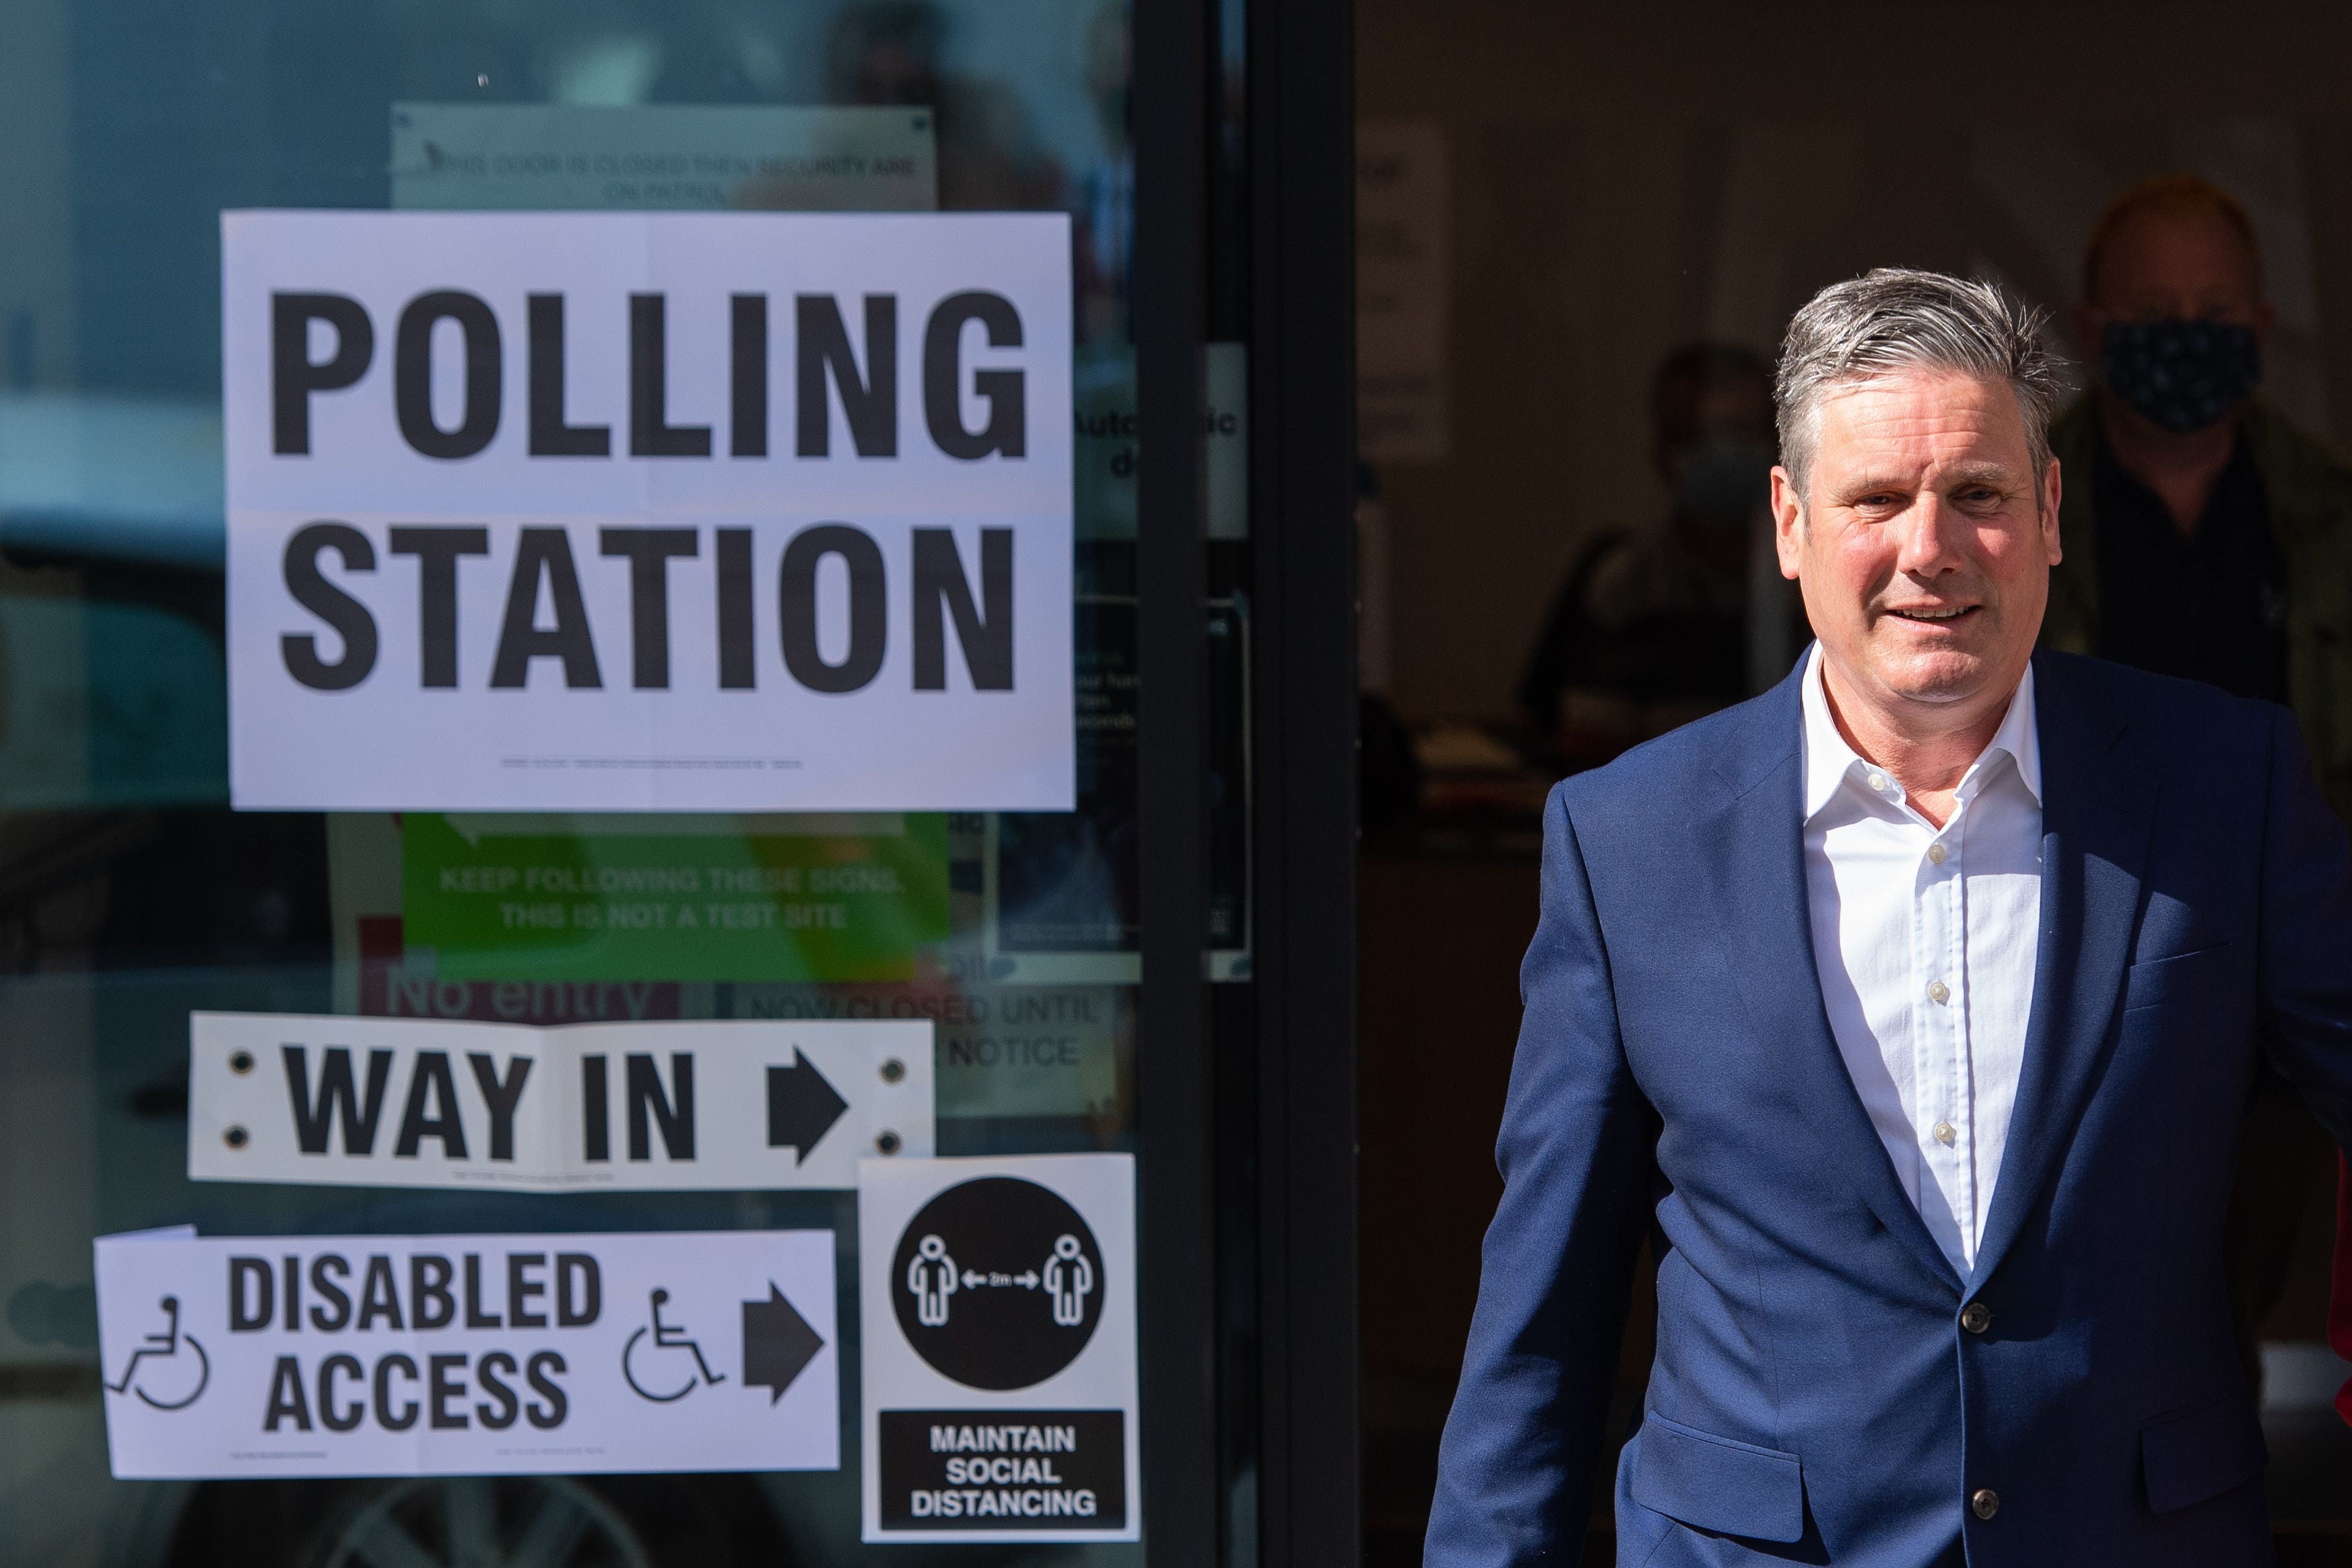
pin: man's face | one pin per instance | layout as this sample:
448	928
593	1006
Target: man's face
1923	542
2173	266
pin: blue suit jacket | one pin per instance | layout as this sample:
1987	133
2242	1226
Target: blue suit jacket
1815	1397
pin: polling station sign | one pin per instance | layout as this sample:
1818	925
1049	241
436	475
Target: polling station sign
649	511
337	1100
392	1355
996	1309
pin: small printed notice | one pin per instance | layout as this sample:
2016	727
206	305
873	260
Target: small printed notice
337	1100
230	1358
1402	291
1108	441
1003	1050
533	157
692	898
1060	892
997	1310
649	511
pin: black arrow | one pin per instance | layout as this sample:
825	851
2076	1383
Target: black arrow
802	1107
777	1341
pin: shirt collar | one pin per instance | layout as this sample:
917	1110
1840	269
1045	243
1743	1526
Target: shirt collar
1829	761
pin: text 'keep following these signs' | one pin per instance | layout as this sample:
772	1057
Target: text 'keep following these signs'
680	511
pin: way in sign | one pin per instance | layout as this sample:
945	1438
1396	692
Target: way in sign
397	1102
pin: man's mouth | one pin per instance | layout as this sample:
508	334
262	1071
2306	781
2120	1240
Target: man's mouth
1934	614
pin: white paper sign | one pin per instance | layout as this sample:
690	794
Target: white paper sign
996	1305
668	511
331	1100
397	1355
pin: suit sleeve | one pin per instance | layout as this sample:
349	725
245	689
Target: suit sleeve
1576	1154
2304	978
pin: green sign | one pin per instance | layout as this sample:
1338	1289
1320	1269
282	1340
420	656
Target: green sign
677	899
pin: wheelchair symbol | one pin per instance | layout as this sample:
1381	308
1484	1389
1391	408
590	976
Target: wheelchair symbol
667	1336
166	1346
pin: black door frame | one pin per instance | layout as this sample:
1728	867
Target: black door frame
1301	1391
1303	493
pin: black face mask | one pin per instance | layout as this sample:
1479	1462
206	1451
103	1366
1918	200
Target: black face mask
2182	375
1723	481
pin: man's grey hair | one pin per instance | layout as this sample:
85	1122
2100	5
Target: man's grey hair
1895	319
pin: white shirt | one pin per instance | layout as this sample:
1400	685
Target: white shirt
1926	941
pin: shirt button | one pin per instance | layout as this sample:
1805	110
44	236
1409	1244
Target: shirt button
1985	1502
1938	992
1877	780
1935	854
1946	1133
1976	1317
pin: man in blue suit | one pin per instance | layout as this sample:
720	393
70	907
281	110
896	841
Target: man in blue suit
1912	1009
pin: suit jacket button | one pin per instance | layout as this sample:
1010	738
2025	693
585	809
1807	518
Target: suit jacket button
1976	1317
1985	1502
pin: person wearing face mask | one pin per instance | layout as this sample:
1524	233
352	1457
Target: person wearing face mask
2205	536
1651	629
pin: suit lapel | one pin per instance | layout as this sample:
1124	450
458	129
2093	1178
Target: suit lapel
1755	841
2096	821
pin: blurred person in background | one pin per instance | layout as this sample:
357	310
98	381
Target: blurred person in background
2205	536
1653	627
1104	227
890	52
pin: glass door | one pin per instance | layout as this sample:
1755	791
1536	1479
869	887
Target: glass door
1095	980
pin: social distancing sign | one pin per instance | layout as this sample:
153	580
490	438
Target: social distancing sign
675	511
331	1100
997	1309
393	1355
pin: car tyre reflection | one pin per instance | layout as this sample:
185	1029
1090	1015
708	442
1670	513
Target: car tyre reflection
474	1522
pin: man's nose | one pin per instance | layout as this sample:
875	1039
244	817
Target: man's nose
1927	541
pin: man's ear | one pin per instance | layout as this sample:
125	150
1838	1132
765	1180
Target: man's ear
2051	490
1788	521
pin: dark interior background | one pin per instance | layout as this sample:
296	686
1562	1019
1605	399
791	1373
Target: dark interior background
1620	180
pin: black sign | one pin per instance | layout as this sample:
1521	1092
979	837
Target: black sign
997	1283
1004	1470
1067	881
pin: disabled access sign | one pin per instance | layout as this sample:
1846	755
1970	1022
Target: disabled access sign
227	1358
